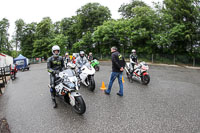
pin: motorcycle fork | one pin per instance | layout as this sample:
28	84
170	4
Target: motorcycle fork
67	97
88	79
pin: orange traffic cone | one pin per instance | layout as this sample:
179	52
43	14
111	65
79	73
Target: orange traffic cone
123	79
103	87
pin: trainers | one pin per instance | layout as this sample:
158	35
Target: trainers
119	94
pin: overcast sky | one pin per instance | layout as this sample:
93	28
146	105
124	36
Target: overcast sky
35	10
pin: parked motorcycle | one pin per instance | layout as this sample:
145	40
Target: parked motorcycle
87	76
66	88
95	64
13	71
140	72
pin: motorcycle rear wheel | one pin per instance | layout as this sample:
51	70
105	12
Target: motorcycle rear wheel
12	77
97	68
79	106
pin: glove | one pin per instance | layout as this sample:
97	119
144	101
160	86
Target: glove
57	72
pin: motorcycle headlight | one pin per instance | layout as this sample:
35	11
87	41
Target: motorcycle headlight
69	84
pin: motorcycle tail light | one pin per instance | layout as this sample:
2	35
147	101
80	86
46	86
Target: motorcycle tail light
63	93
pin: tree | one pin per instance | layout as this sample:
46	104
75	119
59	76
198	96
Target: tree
57	28
44	36
90	16
85	44
70	29
126	10
111	33
19	25
143	27
27	39
5	46
185	22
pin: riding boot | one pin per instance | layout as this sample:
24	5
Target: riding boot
131	72
54	103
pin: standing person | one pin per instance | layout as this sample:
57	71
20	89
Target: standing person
133	60
55	64
118	64
90	57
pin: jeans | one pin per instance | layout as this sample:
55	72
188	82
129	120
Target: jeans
113	76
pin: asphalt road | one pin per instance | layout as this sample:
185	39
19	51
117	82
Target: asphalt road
170	103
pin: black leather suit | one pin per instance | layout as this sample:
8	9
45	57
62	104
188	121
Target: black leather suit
54	65
133	60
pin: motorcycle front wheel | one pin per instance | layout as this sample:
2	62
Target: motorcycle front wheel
12	76
91	83
79	106
145	79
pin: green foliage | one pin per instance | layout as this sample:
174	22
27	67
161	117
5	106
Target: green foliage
127	10
19	26
69	27
170	28
92	15
44	34
5	46
184	25
28	39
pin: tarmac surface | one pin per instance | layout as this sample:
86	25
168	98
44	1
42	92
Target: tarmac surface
170	103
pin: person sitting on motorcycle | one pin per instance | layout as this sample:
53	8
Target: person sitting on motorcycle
13	70
73	58
55	64
67	59
133	60
81	60
90	57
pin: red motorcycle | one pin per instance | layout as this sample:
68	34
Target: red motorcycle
13	71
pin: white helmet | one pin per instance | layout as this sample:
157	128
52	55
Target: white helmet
82	53
134	51
54	48
66	53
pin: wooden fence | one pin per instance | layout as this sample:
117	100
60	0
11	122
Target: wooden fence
4	72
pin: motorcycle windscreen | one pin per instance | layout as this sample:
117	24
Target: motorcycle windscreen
69	72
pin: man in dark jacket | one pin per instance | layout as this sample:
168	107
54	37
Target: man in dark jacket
118	64
55	64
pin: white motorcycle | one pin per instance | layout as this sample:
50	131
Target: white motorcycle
66	88
87	76
140	72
